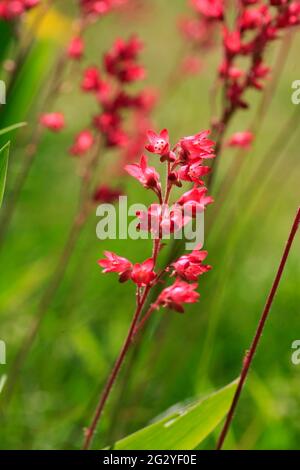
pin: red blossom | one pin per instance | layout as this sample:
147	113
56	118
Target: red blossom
210	8
158	143
195	201
76	48
162	220
10	9
189	267
83	143
53	121
142	274
241	139
193	172
146	175
105	194
196	147
121	60
116	264
179	293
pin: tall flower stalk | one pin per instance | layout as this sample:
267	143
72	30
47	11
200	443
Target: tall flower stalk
185	162
248	359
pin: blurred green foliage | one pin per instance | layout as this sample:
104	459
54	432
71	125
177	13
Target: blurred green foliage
180	357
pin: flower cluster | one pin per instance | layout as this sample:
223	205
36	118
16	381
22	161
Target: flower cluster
11	9
258	23
200	31
99	7
108	85
184	162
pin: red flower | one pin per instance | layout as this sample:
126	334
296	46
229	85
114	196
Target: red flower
232	41
10	9
146	175
91	79
121	60
143	274
76	48
158	143
53	121
210	8
83	143
106	194
189	267
178	294
161	220
241	139
116	264
195	201
197	146
193	173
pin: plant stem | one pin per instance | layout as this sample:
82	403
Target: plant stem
114	373
250	354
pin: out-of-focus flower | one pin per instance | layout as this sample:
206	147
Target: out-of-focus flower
10	9
105	194
241	139
76	48
53	121
83	143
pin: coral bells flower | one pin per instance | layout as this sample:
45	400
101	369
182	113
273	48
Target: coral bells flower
99	8
146	175
91	80
210	8
161	220
142	274
105	194
195	201
189	267
10	9
83	143
241	139
179	293
193	173
196	147
116	264
121	60
158	143
76	48
53	121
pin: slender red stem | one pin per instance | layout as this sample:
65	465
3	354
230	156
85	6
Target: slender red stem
90	432
250	354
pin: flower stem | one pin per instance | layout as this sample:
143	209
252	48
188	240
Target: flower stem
90	432
250	354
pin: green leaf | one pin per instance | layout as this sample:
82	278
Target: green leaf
186	428
4	152
13	127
